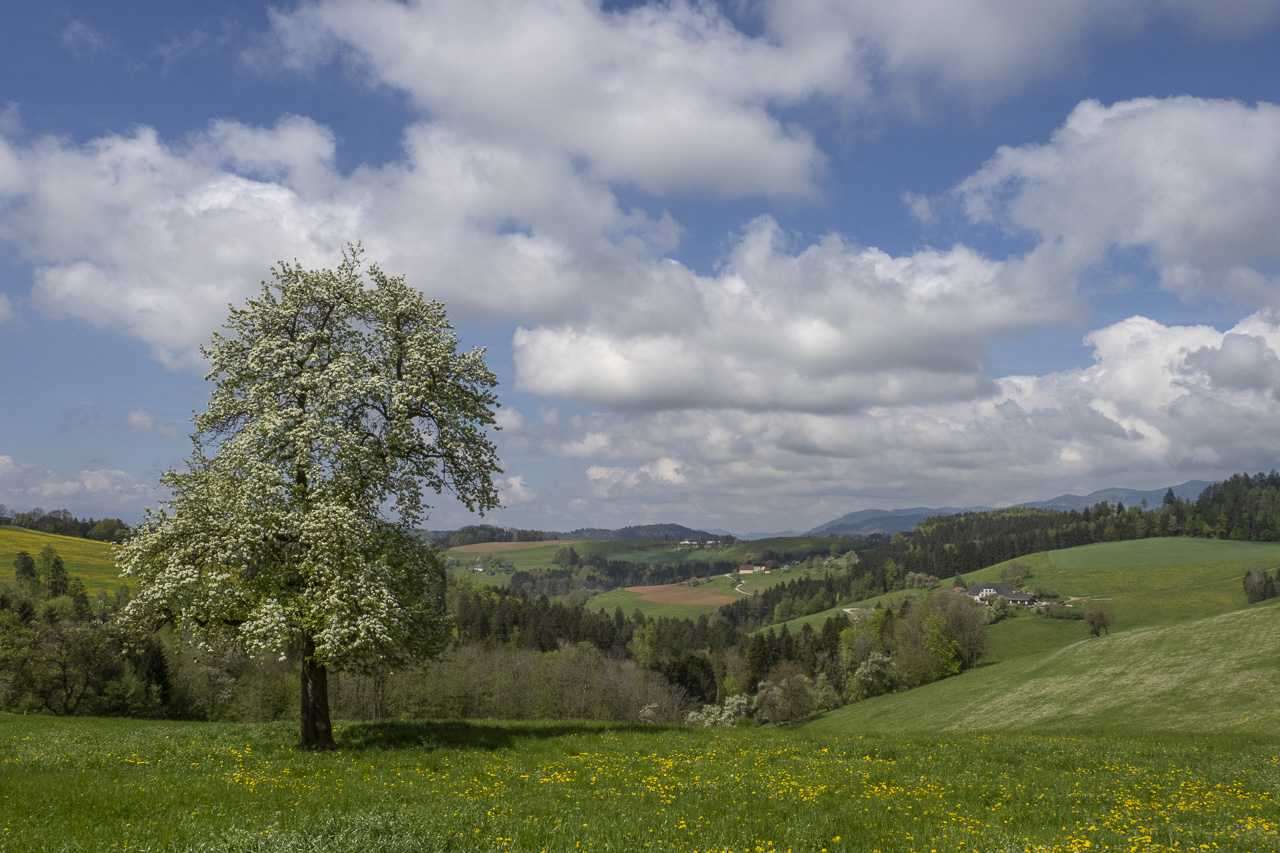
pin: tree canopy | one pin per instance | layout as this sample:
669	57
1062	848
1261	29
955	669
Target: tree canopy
335	406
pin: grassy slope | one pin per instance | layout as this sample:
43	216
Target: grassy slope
1211	674
630	603
1186	651
93	562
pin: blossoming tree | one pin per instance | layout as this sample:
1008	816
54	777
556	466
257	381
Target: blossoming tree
336	405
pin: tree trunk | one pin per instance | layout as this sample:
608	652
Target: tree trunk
317	733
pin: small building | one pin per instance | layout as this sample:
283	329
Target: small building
987	590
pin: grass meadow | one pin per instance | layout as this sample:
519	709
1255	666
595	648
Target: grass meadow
93	562
95	785
630	602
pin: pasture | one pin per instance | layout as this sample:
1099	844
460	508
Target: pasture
92	562
1215	673
92	785
673	605
1163	735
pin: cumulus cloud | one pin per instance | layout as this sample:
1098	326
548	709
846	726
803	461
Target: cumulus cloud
831	327
664	97
105	490
514	492
1193	183
139	421
1157	398
921	50
154	239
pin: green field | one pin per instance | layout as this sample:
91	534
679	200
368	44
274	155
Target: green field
1185	652
1160	552
92	562
1163	735
91	785
630	602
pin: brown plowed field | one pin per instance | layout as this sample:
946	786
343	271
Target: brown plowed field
485	547
675	593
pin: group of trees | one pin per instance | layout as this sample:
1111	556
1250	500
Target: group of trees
1242	507
64	653
1260	585
477	534
63	523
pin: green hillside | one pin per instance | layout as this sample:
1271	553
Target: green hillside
1213	674
93	562
1186	651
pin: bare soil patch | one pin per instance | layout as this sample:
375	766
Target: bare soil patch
675	593
484	547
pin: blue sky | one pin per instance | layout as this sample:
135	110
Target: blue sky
746	266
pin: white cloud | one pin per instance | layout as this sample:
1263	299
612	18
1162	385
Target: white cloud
830	328
155	239
514	492
1157	399
143	421
665	97
84	41
921	50
102	490
131	234
1193	183
509	420
7	311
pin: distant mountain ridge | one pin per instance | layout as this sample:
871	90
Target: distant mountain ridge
868	521
1189	490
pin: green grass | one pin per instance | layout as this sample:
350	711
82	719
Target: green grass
90	785
777	577
630	603
528	559
1158	581
817	620
1212	674
1163	735
1160	552
655	552
1186	652
92	562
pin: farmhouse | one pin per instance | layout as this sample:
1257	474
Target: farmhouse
988	590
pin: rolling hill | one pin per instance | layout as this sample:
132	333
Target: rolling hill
1185	653
93	562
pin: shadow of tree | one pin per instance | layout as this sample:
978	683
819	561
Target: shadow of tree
463	734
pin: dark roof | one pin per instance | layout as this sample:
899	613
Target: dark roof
999	588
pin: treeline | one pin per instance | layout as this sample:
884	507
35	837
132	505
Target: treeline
712	658
63	523
1242	507
479	534
604	574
